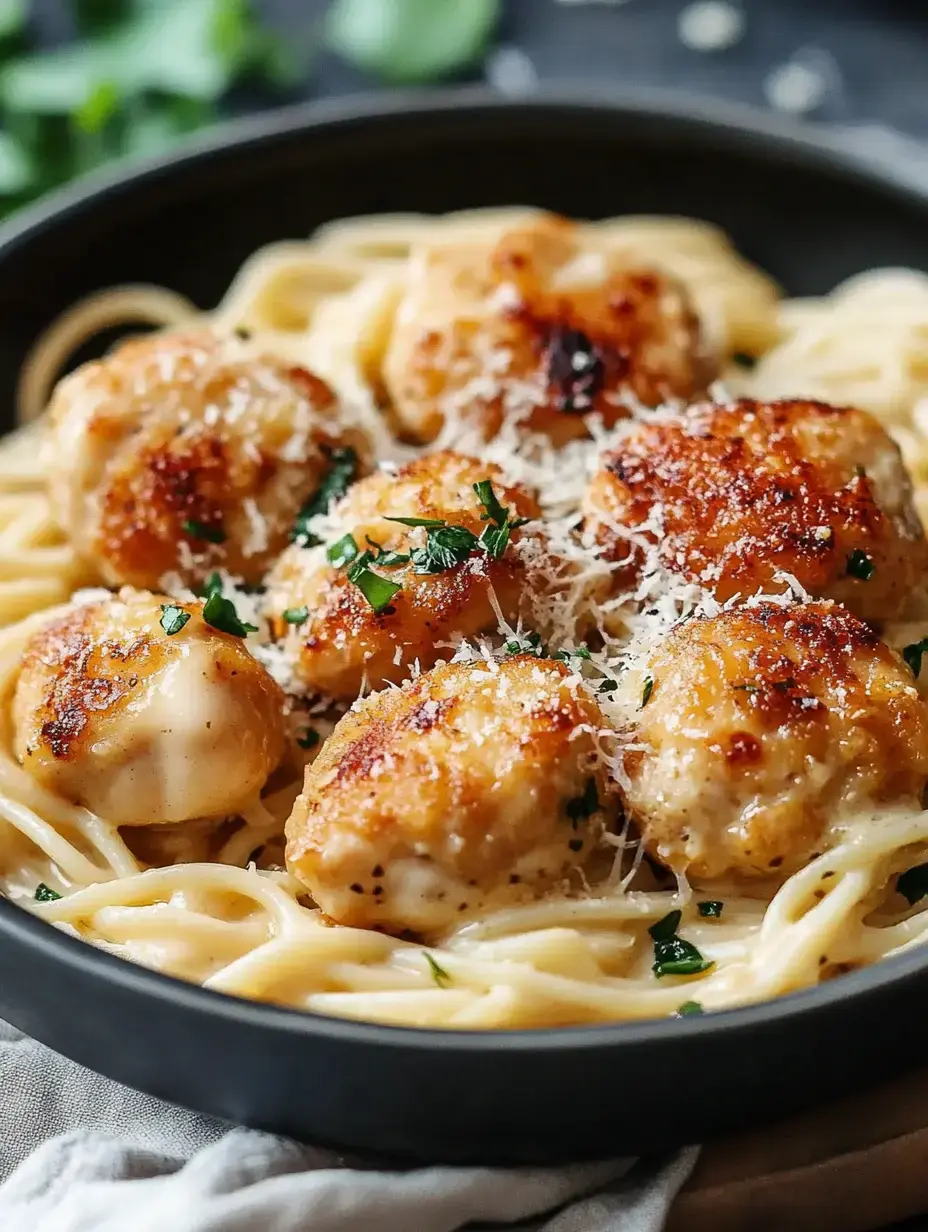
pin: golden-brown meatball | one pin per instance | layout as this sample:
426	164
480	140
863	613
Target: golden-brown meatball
344	642
476	784
182	453
112	712
741	492
543	328
762	725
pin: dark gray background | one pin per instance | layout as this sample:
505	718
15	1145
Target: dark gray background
879	49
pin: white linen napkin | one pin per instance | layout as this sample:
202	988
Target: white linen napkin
79	1153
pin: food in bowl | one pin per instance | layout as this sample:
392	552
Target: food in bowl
527	632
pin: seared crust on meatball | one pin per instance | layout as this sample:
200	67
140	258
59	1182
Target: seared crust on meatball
762	726
543	329
739	493
112	713
344	643
477	784
182	453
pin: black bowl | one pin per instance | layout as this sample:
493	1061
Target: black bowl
797	204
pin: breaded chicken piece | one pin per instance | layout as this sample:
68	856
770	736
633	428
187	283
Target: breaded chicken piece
343	641
182	453
475	785
543	328
762	726
142	727
732	495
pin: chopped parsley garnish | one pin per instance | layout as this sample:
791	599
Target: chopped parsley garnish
173	618
342	552
711	909
495	537
439	974
913	884
377	590
45	894
418	521
527	644
688	1008
581	807
445	547
309	739
296	615
212	586
673	955
913	655
746	688
494	511
389	560
784	686
646	691
860	566
578	652
202	530
607	686
343	466
220	614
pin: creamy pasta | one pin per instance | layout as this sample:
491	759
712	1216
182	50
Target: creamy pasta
214	899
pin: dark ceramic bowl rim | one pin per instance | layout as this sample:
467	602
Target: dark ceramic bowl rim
736	124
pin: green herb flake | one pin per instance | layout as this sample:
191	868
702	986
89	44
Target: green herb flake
607	686
296	615
746	688
688	1009
665	928
309	739
646	691
203	531
526	644
711	909
342	552
173	618
220	613
581	807
212	586
860	566
391	560
578	652
343	467
913	655
913	884
494	511
495	540
445	548
377	590
673	955
439	974
45	894
418	521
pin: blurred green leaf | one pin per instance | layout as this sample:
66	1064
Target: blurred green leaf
411	41
91	16
145	73
98	107
16	169
12	17
194	48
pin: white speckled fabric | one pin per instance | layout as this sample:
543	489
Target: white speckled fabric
79	1153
